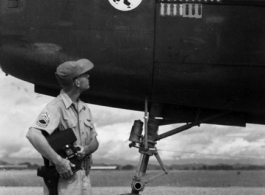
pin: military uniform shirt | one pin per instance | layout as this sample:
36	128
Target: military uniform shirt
62	113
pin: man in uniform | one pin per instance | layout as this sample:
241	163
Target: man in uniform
68	111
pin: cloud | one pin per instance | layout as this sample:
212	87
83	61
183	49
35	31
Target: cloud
23	100
26	152
104	116
115	150
212	141
255	133
18	109
3	153
114	142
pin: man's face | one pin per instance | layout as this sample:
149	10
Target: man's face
84	81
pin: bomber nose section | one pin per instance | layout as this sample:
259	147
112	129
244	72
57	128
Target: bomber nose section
30	61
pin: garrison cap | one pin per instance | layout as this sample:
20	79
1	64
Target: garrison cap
69	70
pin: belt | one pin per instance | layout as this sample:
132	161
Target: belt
83	164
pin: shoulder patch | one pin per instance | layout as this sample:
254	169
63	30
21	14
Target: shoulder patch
43	120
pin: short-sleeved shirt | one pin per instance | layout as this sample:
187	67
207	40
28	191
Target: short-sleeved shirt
62	113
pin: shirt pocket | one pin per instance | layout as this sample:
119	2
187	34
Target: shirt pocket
88	125
69	122
88	131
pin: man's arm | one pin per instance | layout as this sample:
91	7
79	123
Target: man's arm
88	149
92	146
40	143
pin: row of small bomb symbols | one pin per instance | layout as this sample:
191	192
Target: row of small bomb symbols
189	1
184	10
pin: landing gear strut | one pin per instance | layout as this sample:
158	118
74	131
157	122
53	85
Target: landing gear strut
146	147
147	143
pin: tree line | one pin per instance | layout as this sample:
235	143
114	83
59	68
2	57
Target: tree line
173	167
198	167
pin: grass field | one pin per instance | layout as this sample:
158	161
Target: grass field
174	179
148	191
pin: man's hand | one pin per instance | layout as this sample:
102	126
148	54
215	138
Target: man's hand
87	149
81	151
64	168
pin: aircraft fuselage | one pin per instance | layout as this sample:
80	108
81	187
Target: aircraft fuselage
209	56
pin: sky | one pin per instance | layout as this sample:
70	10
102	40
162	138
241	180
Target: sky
20	105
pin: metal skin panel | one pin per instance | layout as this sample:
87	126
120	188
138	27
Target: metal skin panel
39	35
215	62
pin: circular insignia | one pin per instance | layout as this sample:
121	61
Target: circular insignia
125	5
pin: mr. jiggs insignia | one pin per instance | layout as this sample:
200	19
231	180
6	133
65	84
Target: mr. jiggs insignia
125	5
